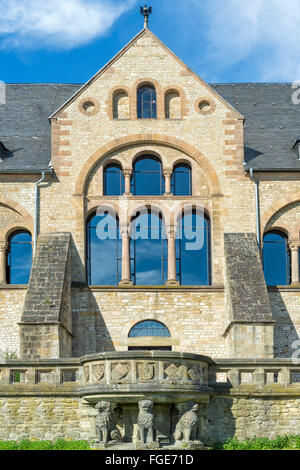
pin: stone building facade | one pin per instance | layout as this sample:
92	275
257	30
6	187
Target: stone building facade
240	141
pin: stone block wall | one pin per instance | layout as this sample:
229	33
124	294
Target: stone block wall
11	306
102	319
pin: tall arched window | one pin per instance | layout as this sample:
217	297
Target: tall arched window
113	183
147	177
193	251
181	181
148	249
276	259
19	258
103	249
146	102
149	328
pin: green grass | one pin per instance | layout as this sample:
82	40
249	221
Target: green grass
261	443
59	444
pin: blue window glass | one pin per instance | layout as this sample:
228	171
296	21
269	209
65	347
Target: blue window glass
104	247
149	328
181	181
146	102
276	259
148	250
114	184
193	252
147	177
19	258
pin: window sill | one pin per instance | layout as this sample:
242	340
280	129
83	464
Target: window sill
290	288
130	288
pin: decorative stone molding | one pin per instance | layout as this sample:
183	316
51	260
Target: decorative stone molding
110	101
205	106
139	139
181	92
89	106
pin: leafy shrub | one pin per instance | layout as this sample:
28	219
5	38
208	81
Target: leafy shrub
59	444
261	443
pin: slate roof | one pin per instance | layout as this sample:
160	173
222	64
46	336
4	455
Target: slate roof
24	123
271	127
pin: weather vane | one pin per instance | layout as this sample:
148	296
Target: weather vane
145	11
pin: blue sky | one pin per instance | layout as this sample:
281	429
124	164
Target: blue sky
221	40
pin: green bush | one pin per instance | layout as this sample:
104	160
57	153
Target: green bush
261	443
59	444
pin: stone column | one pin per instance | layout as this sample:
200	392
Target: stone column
127	175
172	278
167	175
3	249
294	247
126	274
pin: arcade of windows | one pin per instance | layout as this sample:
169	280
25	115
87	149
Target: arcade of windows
147	252
146	103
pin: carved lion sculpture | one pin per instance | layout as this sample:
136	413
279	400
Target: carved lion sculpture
146	421
187	426
105	423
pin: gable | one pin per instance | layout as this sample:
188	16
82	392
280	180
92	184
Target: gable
145	56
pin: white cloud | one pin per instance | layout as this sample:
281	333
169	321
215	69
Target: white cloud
61	24
267	29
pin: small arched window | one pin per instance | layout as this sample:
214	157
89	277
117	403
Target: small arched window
113	183
148	249
104	247
276	259
146	102
149	328
120	105
172	105
193	250
19	258
181	181
147	177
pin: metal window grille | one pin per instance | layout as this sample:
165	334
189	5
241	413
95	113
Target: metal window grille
149	328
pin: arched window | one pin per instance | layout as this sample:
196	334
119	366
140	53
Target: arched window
181	181
120	105
103	249
172	105
148	249
193	251
113	183
19	258
147	177
146	102
150	328
276	259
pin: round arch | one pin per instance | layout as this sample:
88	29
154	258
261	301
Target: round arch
277	206
138	139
